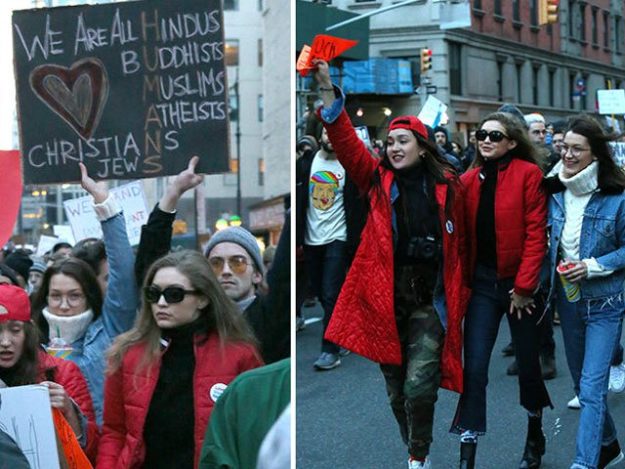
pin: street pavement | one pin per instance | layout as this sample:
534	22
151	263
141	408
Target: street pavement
344	420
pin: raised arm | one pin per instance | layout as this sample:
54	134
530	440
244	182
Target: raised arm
120	299
350	150
156	234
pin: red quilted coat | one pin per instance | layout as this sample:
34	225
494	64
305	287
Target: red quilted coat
128	393
364	317
67	374
520	222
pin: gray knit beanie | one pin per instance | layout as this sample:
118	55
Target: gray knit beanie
240	236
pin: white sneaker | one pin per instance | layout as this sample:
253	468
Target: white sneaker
414	464
617	378
574	403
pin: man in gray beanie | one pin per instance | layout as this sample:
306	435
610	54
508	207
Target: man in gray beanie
235	257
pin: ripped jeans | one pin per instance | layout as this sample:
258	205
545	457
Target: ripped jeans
591	331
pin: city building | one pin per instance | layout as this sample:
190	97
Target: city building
504	56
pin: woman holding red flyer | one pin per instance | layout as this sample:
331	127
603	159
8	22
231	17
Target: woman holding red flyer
587	269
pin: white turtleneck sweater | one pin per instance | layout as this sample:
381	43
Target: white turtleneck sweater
579	190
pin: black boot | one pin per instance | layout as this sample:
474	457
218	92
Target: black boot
534	444
467	455
548	366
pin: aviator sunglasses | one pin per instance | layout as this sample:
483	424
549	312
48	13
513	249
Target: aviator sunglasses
171	294
237	264
494	135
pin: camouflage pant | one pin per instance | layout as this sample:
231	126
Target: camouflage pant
412	387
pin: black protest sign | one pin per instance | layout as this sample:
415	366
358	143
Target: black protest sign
131	89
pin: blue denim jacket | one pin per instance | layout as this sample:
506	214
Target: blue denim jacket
602	237
118	311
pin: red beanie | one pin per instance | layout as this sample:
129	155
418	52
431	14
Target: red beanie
409	123
14	304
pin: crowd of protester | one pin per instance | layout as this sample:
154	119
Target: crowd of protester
527	221
136	348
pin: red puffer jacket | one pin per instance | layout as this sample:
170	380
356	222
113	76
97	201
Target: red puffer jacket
364	316
128	393
68	375
520	222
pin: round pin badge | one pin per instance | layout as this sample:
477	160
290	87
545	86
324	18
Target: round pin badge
449	226
217	390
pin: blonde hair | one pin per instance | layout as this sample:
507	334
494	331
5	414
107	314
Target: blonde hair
220	315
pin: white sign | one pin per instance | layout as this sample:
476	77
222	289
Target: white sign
618	153
130	198
64	232
26	417
611	101
363	134
45	244
432	112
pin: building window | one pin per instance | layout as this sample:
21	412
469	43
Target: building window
477	4
260	52
260	108
498	7
595	35
261	171
535	72
232	52
584	93
233	106
499	81
534	13
582	21
572	91
606	29
519	80
455	68
552	88
618	34
516	12
571	20
231	4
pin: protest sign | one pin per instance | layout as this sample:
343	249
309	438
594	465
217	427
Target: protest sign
363	134
618	153
131	89
611	101
10	192
129	197
25	415
432	111
64	232
324	47
45	244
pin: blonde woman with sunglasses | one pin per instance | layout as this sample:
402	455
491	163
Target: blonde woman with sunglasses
166	373
506	215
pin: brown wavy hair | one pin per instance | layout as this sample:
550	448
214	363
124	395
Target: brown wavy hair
26	370
220	315
515	130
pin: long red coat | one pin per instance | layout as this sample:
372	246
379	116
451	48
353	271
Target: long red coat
67	374
520	222
364	316
128	393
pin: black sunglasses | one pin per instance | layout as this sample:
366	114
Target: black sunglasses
171	294
494	135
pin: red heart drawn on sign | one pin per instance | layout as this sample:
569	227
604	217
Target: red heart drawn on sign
77	94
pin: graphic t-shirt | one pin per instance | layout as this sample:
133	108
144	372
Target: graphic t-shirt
325	217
